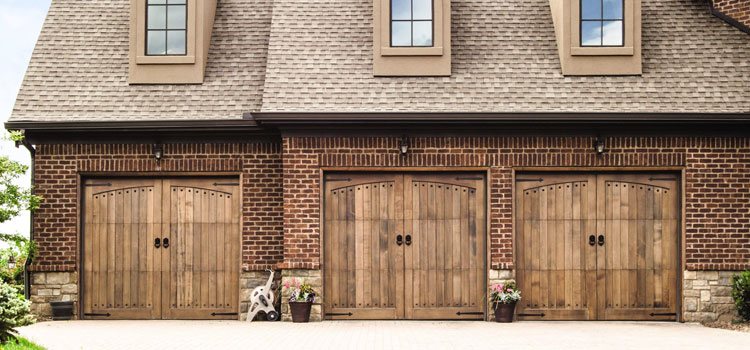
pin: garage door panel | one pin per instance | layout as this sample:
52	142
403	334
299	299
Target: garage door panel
628	275
119	267
124	268
362	269
556	264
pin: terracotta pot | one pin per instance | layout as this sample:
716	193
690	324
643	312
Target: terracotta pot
504	312
300	311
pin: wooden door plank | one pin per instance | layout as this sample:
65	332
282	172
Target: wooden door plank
439	245
601	255
397	192
446	197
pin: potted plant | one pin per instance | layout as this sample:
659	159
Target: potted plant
300	300
504	298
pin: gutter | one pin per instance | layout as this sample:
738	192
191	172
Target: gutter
731	21
27	264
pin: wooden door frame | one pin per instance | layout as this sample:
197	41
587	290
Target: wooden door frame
321	209
82	177
677	170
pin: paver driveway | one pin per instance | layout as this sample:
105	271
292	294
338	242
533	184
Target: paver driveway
431	335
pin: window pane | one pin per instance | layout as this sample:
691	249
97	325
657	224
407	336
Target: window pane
157	17
157	2
176	17
612	35
176	42
176	1
400	9
613	9
423	33
591	33
591	9
422	9
400	33
156	43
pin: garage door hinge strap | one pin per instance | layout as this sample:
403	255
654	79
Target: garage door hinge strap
98	315
223	314
335	180
536	315
339	314
663	314
530	180
469	313
98	185
469	178
225	184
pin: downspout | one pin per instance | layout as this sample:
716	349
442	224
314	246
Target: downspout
26	273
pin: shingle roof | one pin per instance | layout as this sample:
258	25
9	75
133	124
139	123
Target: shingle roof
505	59
320	59
79	68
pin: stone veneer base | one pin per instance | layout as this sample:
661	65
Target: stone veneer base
53	286
707	296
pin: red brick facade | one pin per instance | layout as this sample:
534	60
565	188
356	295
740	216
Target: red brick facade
717	184
739	10
282	182
56	174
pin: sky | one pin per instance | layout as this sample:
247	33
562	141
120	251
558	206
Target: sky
20	23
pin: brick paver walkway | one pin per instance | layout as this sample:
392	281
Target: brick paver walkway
165	335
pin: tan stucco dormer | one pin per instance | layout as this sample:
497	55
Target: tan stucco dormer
579	59
187	68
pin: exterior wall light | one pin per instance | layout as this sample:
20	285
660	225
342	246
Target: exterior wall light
158	152
599	146
11	262
403	145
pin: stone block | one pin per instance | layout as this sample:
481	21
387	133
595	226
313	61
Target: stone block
45	292
721	291
721	300
710	275
705	296
505	274
691	304
699	282
702	317
705	307
690	275
71	288
39	278
59	278
687	284
692	293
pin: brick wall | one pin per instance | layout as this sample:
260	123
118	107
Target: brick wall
58	166
739	10
717	199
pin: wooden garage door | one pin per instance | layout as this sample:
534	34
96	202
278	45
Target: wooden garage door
597	247
192	273
404	246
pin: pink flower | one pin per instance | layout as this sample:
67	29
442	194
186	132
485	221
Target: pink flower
296	284
502	286
287	285
509	290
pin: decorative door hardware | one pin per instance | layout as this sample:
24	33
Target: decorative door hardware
399	240
98	185
98	315
166	242
225	184
531	315
592	240
408	239
157	242
339	314
530	180
601	240
469	313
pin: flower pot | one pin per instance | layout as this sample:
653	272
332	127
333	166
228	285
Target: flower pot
300	311
504	312
61	310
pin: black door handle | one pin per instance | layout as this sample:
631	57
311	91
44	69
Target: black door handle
166	242
399	239
592	240
408	239
157	242
601	239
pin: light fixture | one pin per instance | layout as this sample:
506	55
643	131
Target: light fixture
403	145
158	152
599	145
11	261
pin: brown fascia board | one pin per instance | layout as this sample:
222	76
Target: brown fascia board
731	21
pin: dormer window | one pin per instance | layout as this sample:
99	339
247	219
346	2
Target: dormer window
166	27
411	23
602	23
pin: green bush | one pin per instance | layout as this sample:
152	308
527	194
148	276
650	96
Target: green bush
14	312
741	294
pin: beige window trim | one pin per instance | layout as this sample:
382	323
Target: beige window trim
186	69
575	33
584	60
411	61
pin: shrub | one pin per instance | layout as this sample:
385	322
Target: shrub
741	294
14	312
